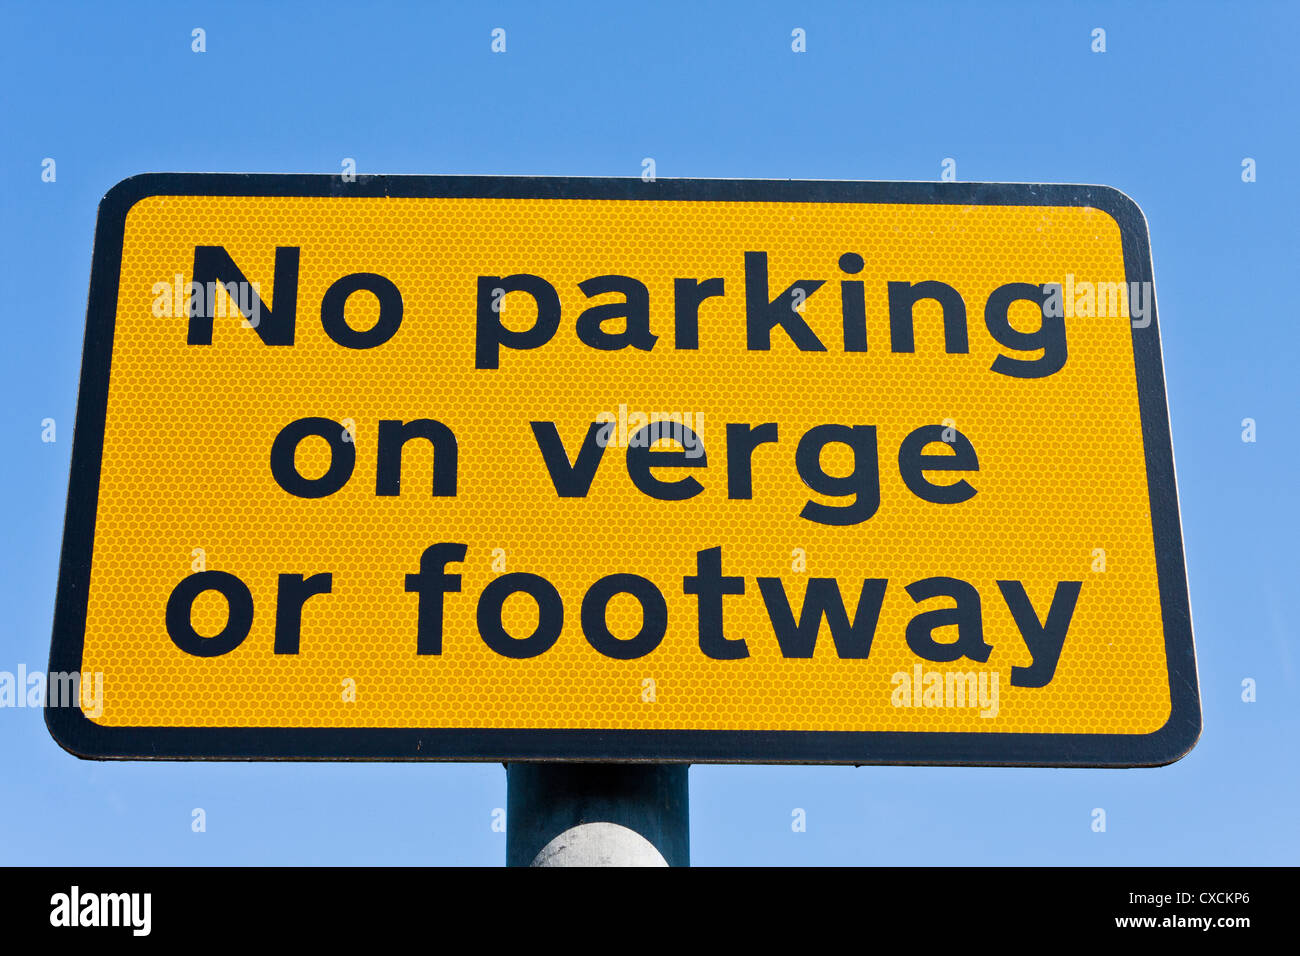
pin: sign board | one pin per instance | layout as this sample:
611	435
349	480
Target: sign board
465	468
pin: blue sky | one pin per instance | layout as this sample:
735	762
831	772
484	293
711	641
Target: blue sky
1183	93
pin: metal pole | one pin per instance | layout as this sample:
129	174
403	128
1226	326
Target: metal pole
567	814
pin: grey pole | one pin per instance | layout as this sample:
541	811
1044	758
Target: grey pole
573	814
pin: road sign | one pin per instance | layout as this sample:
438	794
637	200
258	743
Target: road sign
472	468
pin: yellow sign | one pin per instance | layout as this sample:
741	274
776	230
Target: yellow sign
480	468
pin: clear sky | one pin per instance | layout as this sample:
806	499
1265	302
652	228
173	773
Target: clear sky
1013	92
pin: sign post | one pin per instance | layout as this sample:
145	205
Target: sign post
563	814
596	471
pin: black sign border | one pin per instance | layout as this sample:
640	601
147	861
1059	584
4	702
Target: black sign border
83	737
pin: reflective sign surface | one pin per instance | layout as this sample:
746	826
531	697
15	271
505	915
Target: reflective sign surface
480	468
